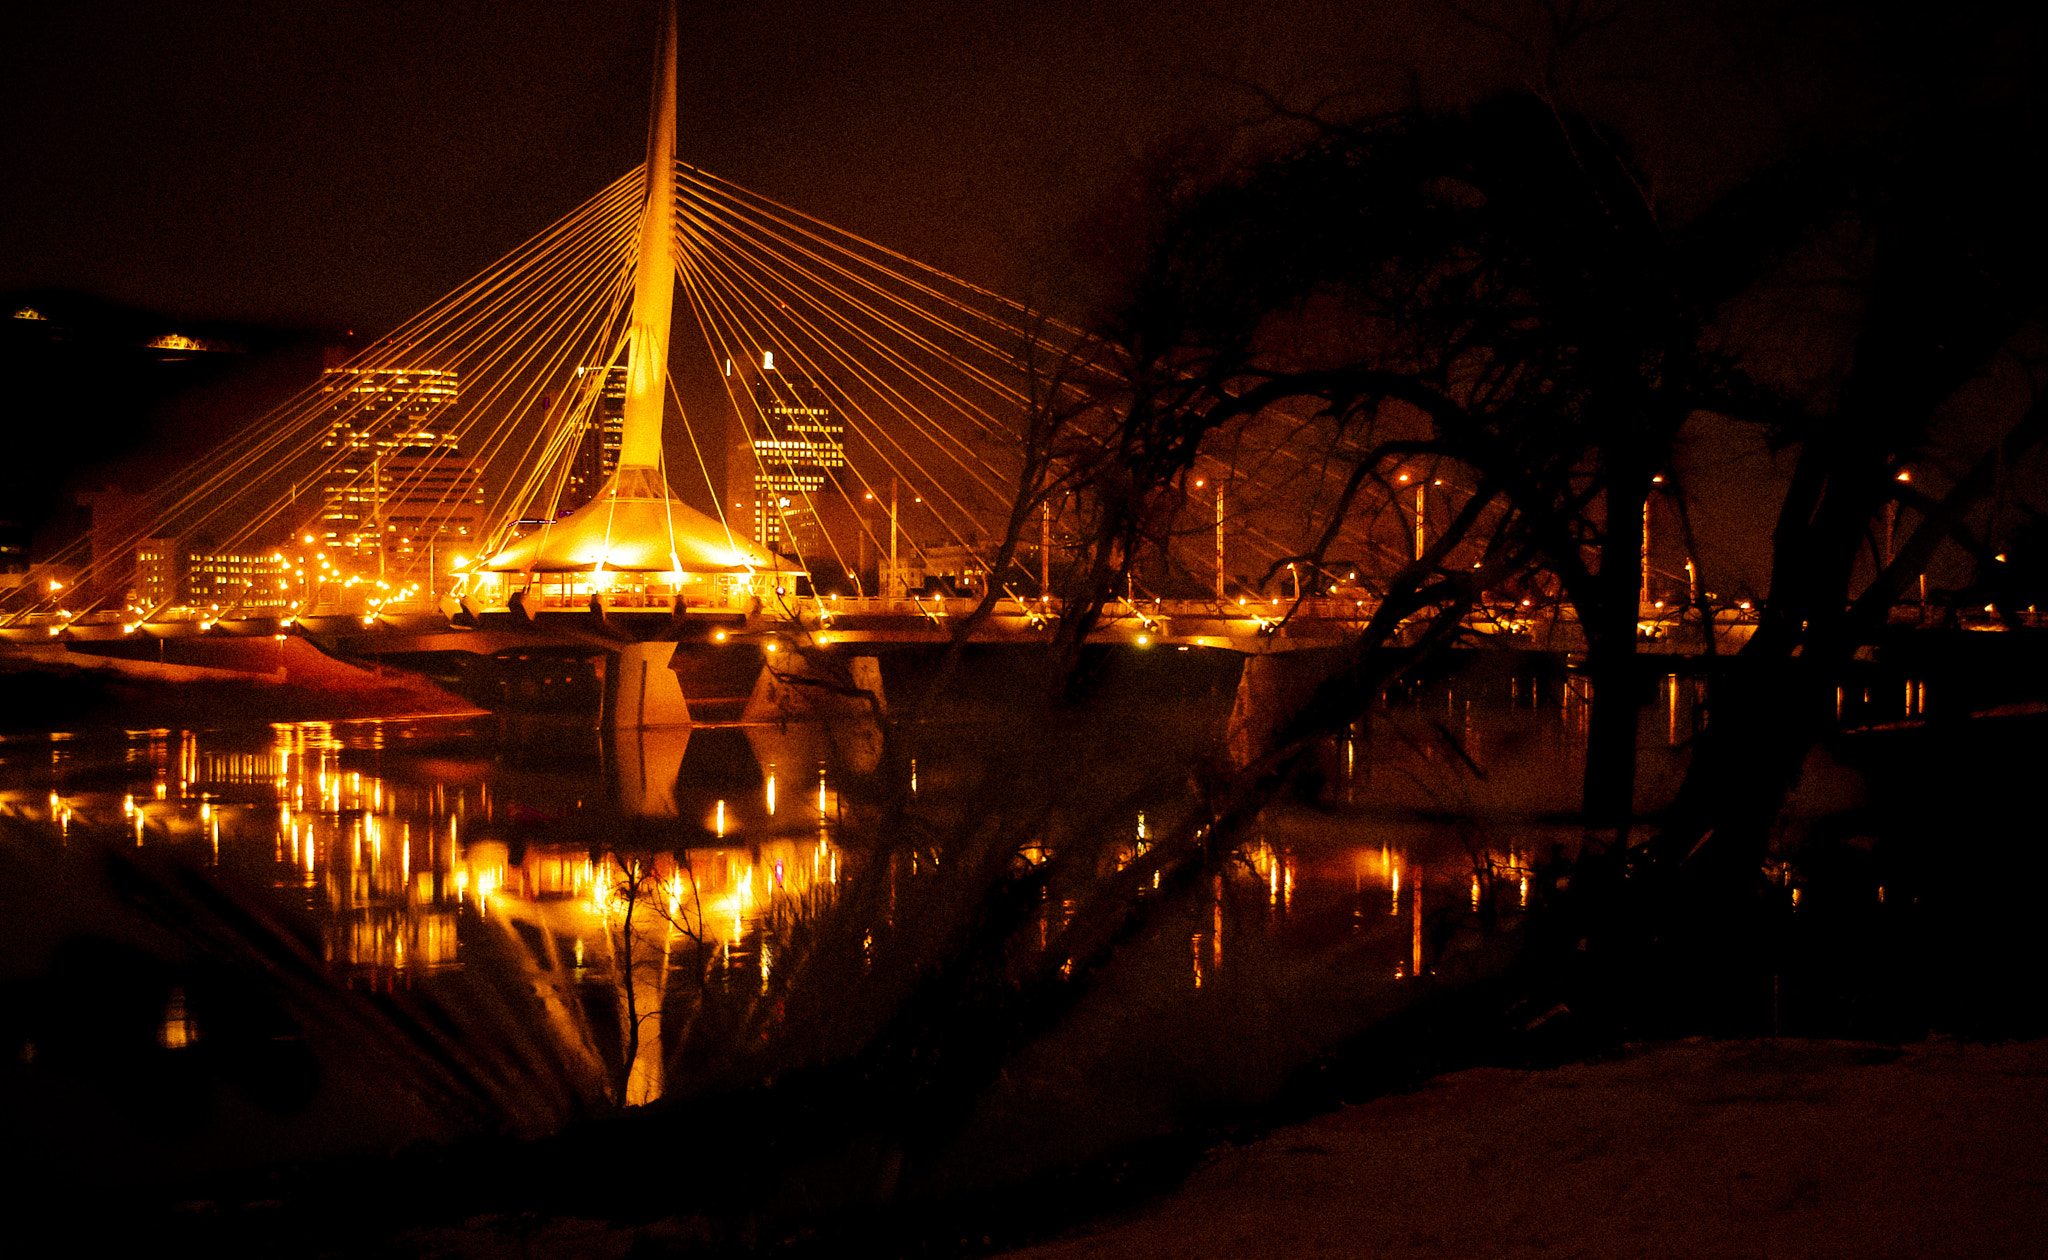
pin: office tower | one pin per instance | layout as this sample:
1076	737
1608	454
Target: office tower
786	465
113	518
394	485
599	404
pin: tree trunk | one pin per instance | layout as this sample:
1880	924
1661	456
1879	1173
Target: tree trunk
1610	630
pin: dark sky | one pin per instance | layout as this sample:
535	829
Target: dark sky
345	163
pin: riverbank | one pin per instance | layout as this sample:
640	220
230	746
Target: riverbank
1690	1149
283	680
1709	1149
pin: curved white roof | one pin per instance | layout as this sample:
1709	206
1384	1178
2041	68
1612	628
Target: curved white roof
636	524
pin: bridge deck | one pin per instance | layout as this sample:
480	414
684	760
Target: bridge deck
1244	626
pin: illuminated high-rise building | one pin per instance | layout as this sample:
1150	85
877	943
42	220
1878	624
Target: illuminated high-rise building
601	399
395	485
786	463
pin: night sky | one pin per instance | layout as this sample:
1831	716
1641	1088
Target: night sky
344	164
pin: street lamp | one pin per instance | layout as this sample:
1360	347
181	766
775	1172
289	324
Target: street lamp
1421	513
1219	538
1644	594
1891	525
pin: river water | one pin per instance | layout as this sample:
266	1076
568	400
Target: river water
250	943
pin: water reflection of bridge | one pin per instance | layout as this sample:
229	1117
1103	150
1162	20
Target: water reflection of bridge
441	858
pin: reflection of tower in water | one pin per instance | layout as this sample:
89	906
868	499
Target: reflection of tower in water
385	868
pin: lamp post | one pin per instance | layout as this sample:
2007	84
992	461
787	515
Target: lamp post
1201	484
1045	550
892	586
1219	543
1644	567
1891	519
1891	527
1421	518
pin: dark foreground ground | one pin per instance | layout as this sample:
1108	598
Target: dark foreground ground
1690	1149
1709	1149
1698	1148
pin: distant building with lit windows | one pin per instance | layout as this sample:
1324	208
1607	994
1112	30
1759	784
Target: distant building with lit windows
394	485
956	568
170	575
159	573
599	402
14	565
786	467
250	582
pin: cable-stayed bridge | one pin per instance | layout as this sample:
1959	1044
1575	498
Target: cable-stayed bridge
847	445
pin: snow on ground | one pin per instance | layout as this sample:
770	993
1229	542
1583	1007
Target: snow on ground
1695	1149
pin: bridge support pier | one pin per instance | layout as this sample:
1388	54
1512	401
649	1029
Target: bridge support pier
844	703
1272	689
640	690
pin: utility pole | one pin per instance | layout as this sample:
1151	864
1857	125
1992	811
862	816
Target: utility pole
1421	517
861	562
1219	544
1045	550
377	506
1645	593
893	586
1891	519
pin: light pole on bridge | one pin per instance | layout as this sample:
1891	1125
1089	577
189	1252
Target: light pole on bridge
1421	513
1220	596
1045	550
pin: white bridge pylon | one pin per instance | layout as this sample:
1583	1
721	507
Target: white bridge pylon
635	532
